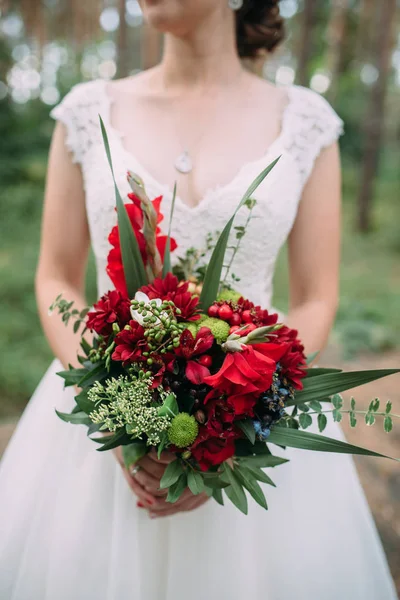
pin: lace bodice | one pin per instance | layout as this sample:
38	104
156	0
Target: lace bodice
308	125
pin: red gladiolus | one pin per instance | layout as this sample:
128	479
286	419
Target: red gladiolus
114	262
111	308
245	375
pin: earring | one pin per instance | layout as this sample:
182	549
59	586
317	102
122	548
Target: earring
235	4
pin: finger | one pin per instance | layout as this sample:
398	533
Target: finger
149	483
154	468
165	458
140	492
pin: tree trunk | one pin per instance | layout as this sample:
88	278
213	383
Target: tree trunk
366	29
306	36
337	28
374	122
151	44
122	42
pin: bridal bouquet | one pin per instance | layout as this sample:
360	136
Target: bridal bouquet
179	361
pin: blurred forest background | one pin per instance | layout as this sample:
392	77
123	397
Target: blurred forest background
347	50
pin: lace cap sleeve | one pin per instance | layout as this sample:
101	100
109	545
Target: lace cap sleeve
311	125
79	111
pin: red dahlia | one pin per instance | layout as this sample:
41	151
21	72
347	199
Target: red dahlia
170	288
130	344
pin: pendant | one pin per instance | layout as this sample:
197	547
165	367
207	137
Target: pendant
183	163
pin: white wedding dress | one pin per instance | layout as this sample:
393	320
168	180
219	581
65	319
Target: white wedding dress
69	525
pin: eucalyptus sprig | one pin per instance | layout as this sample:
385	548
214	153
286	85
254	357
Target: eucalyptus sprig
305	418
65	308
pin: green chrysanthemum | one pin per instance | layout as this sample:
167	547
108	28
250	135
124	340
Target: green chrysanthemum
183	430
219	329
229	296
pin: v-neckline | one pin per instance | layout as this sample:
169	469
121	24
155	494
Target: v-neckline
211	191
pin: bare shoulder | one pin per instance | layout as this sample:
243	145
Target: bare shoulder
266	94
137	85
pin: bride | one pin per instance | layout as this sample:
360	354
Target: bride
76	525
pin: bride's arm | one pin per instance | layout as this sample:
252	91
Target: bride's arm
64	247
314	253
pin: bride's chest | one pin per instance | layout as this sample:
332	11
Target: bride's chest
267	223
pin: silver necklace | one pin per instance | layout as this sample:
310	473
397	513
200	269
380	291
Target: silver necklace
184	163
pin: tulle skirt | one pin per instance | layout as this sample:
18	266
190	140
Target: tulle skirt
70	528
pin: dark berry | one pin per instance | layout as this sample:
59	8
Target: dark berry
205	360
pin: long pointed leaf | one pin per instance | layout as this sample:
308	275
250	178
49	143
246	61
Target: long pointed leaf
316	388
134	270
213	274
304	440
167	254
79	418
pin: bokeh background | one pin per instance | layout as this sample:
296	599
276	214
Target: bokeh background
347	50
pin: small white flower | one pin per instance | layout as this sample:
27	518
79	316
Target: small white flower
136	316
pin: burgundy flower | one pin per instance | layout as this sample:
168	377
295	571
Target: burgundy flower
111	308
191	347
170	288
211	451
294	360
130	344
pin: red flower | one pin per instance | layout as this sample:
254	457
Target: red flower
211	451
170	288
130	344
294	360
259	316
111	308
245	375
114	262
190	347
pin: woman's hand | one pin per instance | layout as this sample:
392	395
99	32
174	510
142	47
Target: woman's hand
144	480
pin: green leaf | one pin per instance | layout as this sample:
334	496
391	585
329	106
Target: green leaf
134	270
318	388
258	473
170	407
388	424
312	357
247	427
305	420
322	422
131	453
98	373
195	482
171	475
167	254
217	495
305	440
374	405
369	419
235	491
315	405
84	403
388	407
113	441
337	401
163	442
176	490
317	372
253	487
77	418
352	404
337	415
213	274
353	419
72	376
215	482
264	460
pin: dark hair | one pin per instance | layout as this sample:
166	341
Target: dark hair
259	26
